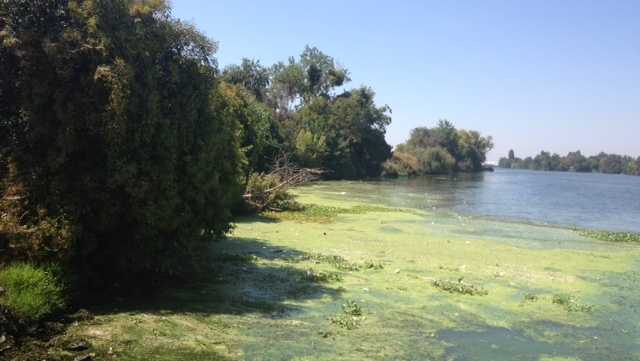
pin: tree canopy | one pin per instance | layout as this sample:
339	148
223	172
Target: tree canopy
319	125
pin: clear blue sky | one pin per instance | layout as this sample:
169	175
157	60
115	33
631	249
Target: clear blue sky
552	75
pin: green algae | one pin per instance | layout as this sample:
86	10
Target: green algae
571	304
325	214
622	237
334	260
275	286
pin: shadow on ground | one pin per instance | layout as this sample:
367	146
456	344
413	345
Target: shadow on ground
246	276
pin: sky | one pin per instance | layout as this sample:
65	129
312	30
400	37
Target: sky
536	75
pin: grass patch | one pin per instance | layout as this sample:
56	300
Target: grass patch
530	297
620	237
312	213
570	303
350	317
459	287
31	292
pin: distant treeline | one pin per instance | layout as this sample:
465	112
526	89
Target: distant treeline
575	162
439	150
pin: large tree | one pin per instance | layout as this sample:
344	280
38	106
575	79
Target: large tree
111	126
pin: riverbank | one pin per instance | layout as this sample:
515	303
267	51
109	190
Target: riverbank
355	281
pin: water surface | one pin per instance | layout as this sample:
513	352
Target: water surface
584	200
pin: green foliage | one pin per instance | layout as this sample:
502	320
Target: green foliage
31	292
310	148
260	132
442	149
575	162
460	287
435	160
623	237
342	133
401	164
350	317
123	149
251	75
117	129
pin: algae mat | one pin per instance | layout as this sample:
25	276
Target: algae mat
347	280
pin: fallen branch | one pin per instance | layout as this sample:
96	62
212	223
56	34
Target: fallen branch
266	190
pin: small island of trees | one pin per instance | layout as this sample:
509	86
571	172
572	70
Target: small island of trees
439	150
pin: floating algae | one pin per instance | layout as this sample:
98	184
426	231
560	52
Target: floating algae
277	285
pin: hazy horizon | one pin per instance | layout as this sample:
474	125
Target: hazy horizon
538	76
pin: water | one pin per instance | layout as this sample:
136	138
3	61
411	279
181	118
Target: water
594	201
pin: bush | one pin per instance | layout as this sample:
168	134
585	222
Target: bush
31	292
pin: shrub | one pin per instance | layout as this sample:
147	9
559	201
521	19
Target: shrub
31	292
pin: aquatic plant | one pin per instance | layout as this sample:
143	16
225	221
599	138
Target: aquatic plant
336	261
622	237
350	317
373	265
529	297
570	303
460	287
321	276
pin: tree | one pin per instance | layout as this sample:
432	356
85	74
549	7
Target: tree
576	162
435	160
323	74
118	139
353	128
251	75
260	133
447	137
